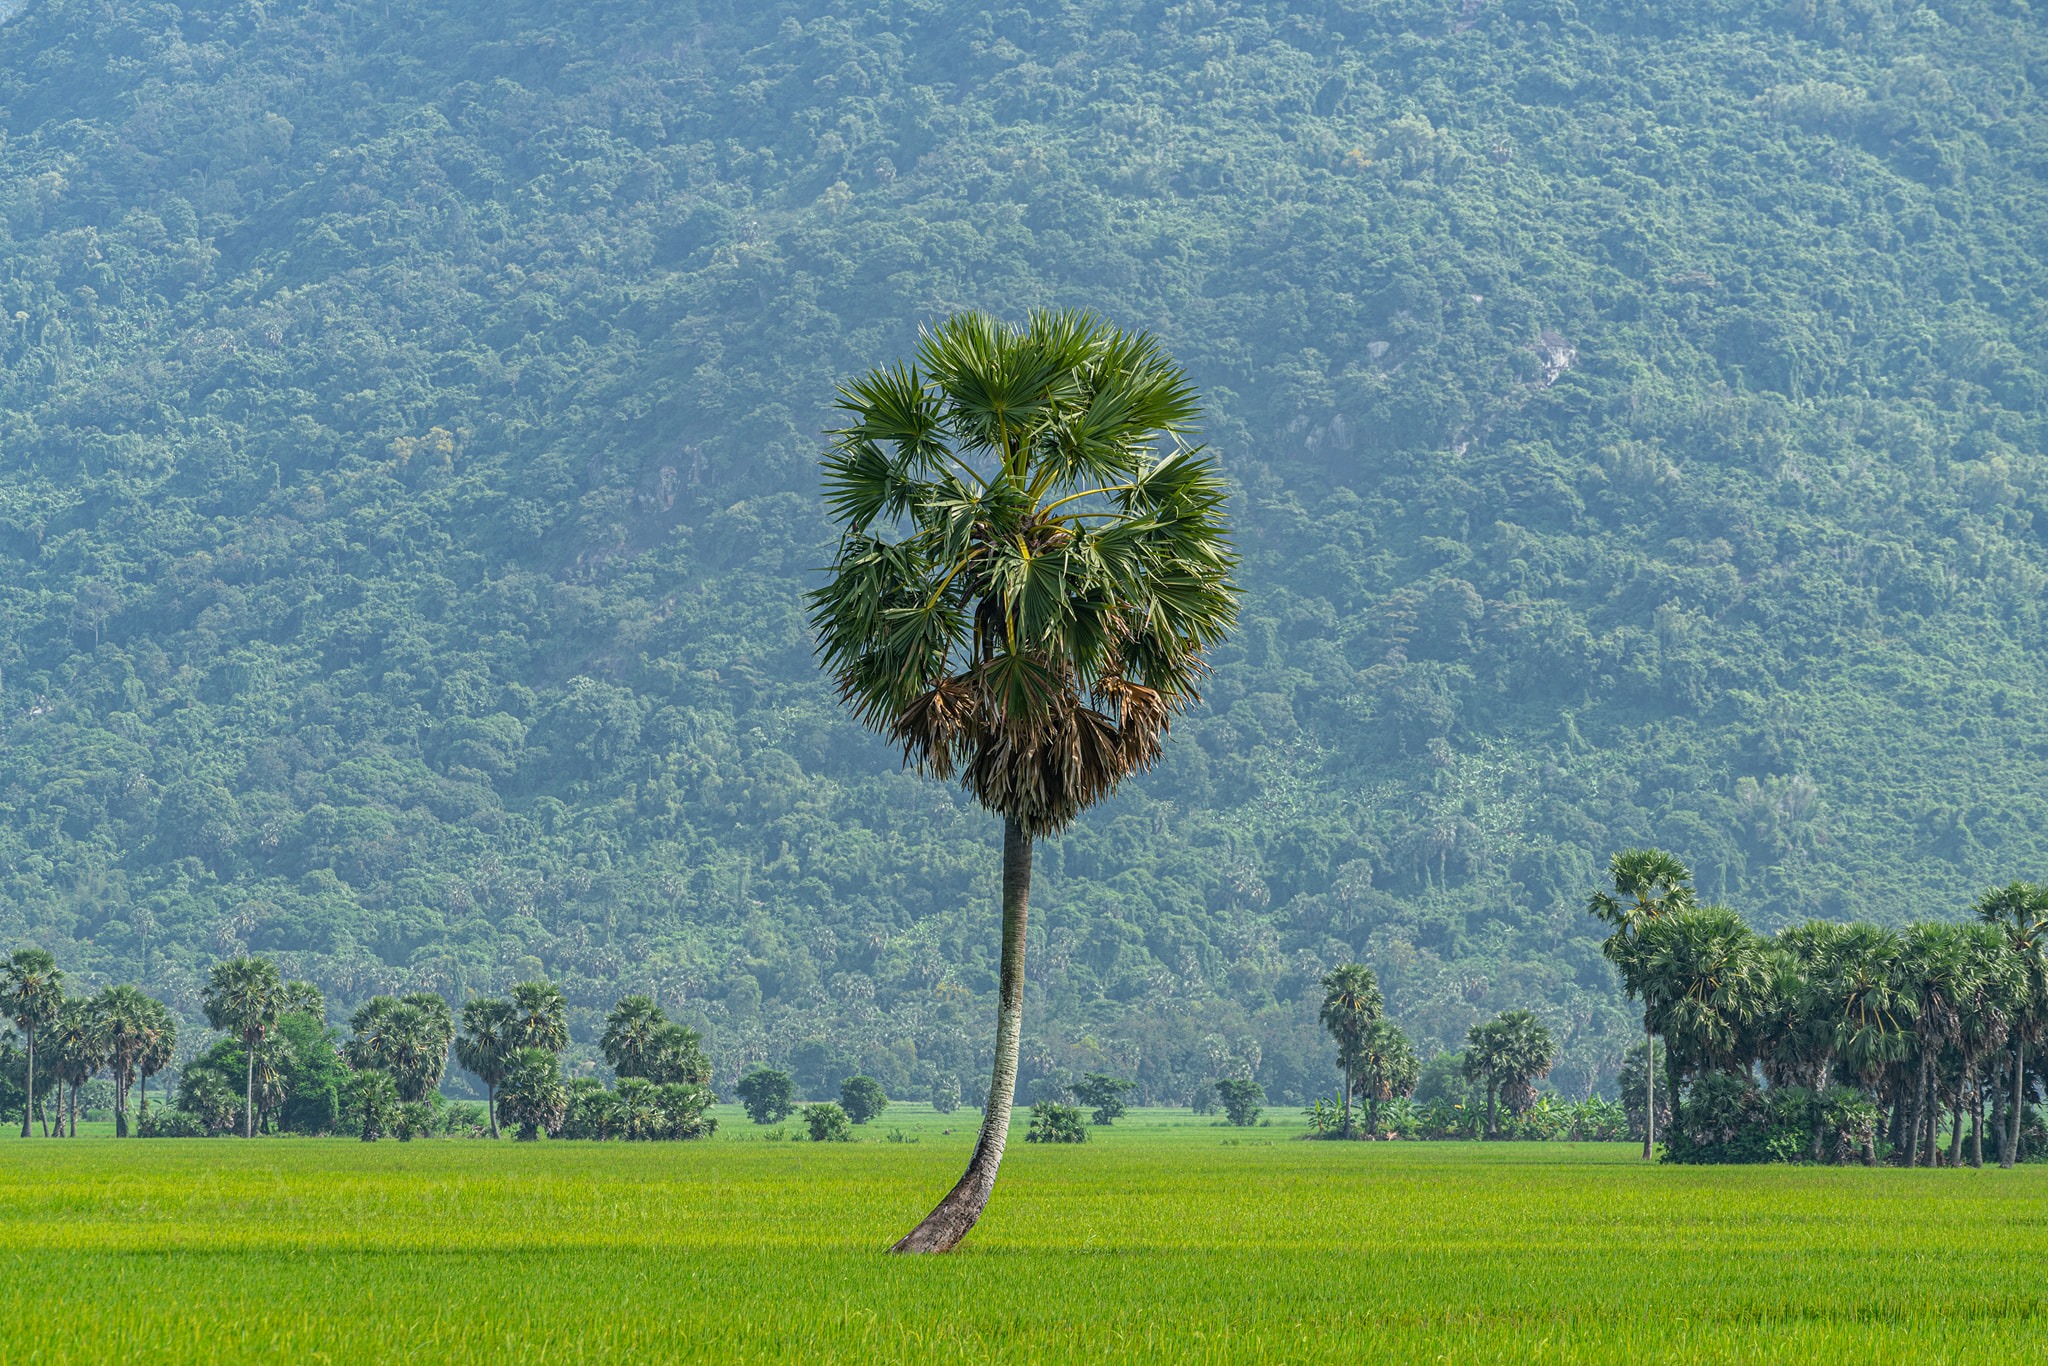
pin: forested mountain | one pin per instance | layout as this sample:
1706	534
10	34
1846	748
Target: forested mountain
408	427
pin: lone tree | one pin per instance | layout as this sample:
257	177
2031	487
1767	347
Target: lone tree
1351	1006
768	1094
1644	884
245	997
1104	1095
862	1098
32	991
1025	589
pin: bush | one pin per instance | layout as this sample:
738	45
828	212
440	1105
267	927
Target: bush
862	1098
827	1123
1729	1119
768	1095
1052	1122
164	1122
946	1094
1241	1099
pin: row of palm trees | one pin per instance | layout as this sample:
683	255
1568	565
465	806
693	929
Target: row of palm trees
119	1030
1377	1063
1935	1016
399	1044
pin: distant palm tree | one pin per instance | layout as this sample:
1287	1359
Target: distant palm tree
1862	989
540	1016
78	1044
407	1038
534	1097
2020	910
124	1014
1024	594
1940	971
245	997
159	1046
1643	884
1351	1004
486	1045
1997	993
32	991
1508	1052
629	1034
1705	979
1387	1067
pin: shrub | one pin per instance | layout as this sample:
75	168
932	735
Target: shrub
827	1123
768	1095
945	1094
1729	1119
1241	1099
164	1122
1052	1122
862	1098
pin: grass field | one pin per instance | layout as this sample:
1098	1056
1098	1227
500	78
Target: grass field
1166	1238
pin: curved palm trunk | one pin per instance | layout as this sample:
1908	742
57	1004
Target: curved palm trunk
2018	1112
955	1215
1649	1090
1921	1090
28	1104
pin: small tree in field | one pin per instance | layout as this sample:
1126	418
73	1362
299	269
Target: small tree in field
862	1098
1025	591
1053	1122
1104	1095
827	1123
1242	1098
768	1094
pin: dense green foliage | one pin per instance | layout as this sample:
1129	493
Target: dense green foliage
408	427
1199	1251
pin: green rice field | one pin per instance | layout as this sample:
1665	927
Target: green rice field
1165	1238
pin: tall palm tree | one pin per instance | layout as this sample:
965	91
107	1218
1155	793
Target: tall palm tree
1508	1052
1984	1016
78	1045
629	1034
486	1045
245	997
1387	1067
124	1017
1863	990
534	1097
540	1016
159	1046
1643	884
405	1037
1705	981
1939	970
2020	910
1025	590
1351	1004
32	991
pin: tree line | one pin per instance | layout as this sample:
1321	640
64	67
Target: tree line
280	1067
1824	1042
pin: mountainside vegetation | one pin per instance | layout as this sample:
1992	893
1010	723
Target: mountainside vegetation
409	426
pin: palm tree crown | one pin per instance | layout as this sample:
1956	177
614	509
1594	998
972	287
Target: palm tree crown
1026	584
